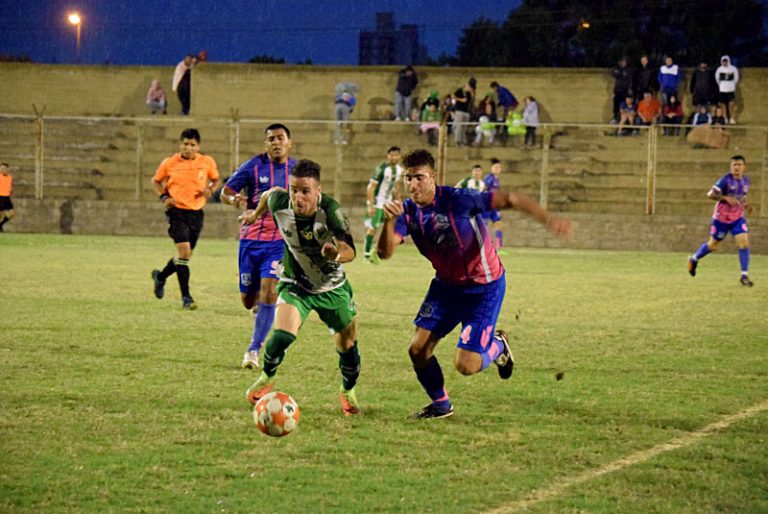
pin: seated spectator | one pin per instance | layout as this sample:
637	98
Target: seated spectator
487	100
649	108
627	116
430	122
486	127
156	99
701	117
434	98
718	119
531	121
446	112
672	114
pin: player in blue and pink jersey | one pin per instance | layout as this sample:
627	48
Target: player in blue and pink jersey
493	217
730	193
446	226
261	245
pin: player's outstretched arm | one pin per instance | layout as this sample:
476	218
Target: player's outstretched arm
388	240
251	216
560	227
231	197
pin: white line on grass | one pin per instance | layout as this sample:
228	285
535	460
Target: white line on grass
687	439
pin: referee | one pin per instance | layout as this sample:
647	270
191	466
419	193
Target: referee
184	182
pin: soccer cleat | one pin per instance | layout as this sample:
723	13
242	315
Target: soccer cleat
251	360
433	412
158	284
746	282
505	361
692	263
188	303
259	388
349	404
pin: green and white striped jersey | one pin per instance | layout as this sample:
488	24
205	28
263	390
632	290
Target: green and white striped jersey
470	183
302	262
386	176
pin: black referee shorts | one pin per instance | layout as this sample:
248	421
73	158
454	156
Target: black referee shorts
184	226
5	203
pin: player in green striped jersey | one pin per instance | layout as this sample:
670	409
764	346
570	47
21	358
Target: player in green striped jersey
474	181
317	242
385	185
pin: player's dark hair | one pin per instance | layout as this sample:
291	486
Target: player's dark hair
277	126
417	158
494	84
5	164
738	158
190	133
393	149
477	166
494	160
306	169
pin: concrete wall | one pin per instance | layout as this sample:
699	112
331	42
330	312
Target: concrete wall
306	92
627	232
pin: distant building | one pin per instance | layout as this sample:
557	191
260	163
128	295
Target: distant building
388	45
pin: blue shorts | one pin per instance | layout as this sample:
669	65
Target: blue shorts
476	308
719	229
258	255
492	216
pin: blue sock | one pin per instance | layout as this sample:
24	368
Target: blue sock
744	260
264	318
701	252
431	379
494	350
498	238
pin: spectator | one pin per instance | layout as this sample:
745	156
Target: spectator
704	88
486	127
156	99
487	100
505	99
182	82
430	121
649	108
515	127
446	112
672	114
701	117
669	78
622	85
645	79
727	76
628	113
462	107
531	121
6	190
345	104
718	119
406	83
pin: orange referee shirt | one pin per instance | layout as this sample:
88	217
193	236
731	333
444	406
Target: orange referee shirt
186	179
6	185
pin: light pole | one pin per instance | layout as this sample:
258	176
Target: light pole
74	19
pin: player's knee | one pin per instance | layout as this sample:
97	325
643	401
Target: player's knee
466	367
419	356
249	301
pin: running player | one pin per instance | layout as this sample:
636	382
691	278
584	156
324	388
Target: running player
261	245
730	193
384	185
317	243
6	190
469	283
474	181
493	217
184	182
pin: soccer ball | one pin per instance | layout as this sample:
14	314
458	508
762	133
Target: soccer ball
276	414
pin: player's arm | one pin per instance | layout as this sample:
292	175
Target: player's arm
561	227
250	216
370	208
207	192
231	197
341	250
160	183
389	239
717	195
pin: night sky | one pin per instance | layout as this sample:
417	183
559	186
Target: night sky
159	33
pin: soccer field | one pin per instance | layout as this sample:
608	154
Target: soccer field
113	401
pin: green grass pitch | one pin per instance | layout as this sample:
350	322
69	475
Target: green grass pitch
113	401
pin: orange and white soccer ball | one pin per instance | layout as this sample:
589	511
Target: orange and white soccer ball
276	414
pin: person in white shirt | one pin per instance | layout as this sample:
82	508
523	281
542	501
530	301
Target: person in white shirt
727	77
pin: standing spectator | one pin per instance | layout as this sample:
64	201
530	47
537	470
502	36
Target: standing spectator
530	120
704	88
156	99
622	85
6	190
727	76
514	127
649	108
182	82
463	99
672	114
184	182
505	99
345	104
669	78
406	83
645	79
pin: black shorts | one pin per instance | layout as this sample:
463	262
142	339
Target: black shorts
184	226
724	98
5	203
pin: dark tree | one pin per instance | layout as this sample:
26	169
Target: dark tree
266	59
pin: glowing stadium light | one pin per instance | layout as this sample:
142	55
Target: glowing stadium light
74	19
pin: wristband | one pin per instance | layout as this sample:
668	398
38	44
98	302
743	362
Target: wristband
164	197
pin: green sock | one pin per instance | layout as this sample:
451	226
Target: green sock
274	350
349	364
368	244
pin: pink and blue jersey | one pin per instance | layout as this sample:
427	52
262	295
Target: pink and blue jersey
256	175
492	183
728	185
451	234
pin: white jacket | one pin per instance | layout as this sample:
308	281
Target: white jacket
727	76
